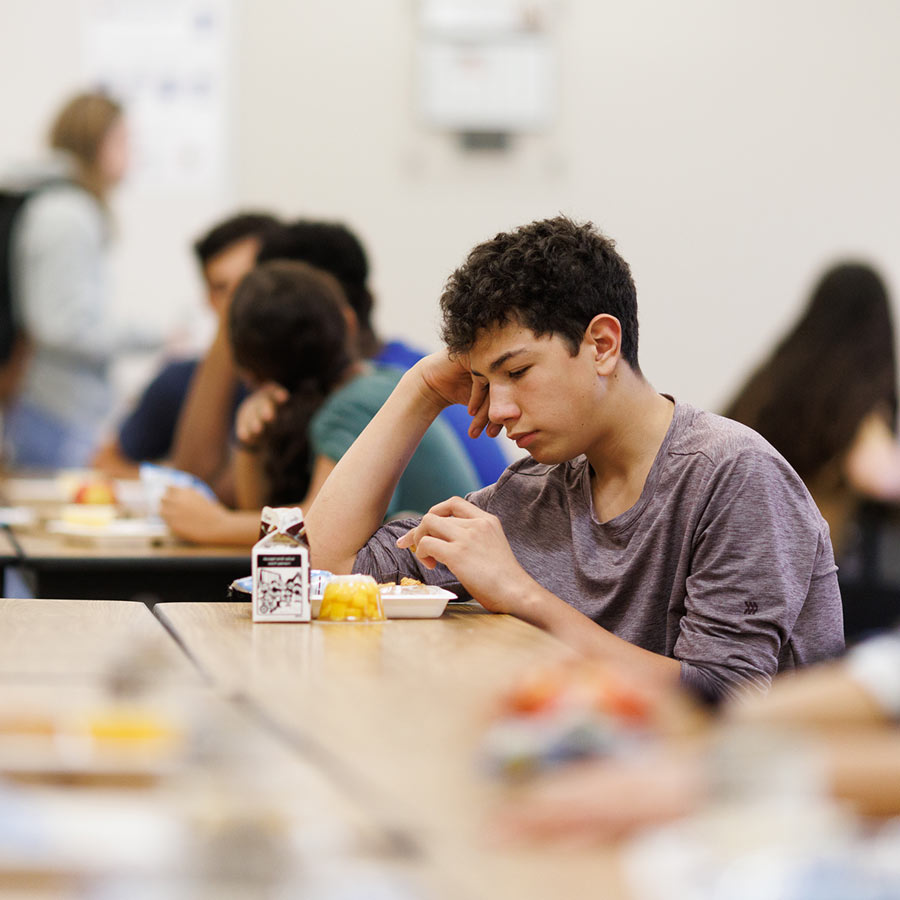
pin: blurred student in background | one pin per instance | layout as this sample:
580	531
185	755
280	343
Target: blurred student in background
203	443
60	290
826	398
293	335
226	254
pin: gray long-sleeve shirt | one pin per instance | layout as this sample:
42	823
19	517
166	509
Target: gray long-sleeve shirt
62	300
724	563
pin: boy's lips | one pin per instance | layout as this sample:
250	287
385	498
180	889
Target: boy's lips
523	438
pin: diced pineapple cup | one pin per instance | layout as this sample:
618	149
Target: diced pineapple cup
351	598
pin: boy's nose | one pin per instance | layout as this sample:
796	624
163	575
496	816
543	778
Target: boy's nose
502	407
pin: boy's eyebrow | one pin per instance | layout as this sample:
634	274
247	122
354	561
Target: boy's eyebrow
500	360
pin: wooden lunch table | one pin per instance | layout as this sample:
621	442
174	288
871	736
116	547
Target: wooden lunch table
82	640
395	712
55	566
56	657
63	566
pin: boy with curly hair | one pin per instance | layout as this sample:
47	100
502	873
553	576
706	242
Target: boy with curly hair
639	529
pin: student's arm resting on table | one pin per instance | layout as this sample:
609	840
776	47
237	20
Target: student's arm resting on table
472	545
612	798
199	520
352	504
822	697
861	690
827	708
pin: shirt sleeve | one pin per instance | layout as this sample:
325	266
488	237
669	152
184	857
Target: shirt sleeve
759	551
147	433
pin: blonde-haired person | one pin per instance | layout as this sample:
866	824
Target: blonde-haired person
60	292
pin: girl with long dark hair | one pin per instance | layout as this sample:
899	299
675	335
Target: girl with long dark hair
826	398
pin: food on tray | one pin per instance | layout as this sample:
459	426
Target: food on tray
89	514
408	600
351	598
98	491
404	582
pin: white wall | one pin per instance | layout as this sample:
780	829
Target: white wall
732	149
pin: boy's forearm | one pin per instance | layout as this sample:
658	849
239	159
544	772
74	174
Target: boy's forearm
549	612
251	487
352	503
238	528
204	424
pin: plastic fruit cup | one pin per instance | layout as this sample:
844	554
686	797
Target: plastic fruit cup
351	598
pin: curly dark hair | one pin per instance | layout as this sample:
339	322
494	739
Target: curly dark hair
835	367
287	325
552	276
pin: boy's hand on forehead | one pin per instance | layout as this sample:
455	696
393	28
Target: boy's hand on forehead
448	380
445	378
471	543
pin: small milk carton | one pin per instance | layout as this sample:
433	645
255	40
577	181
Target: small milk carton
280	567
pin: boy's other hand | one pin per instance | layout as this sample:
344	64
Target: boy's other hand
471	543
258	411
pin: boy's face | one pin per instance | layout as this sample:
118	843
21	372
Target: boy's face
224	271
545	398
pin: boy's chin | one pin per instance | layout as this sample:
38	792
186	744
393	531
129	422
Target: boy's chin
547	457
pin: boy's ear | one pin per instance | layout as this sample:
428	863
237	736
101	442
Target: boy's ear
604	338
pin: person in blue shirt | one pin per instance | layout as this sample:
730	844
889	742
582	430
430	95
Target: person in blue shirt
225	253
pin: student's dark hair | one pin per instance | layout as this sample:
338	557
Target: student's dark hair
333	247
286	324
835	367
552	276
237	228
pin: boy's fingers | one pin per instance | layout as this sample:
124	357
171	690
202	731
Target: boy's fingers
456	506
477	397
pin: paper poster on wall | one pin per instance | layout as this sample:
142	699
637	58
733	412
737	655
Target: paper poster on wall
167	61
